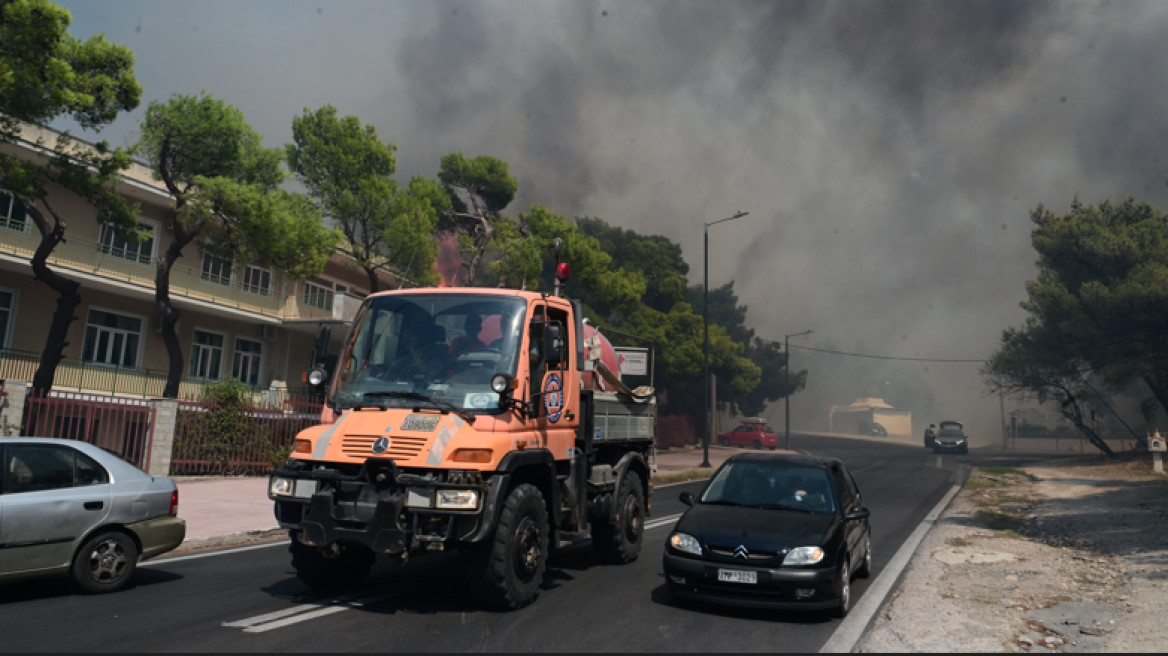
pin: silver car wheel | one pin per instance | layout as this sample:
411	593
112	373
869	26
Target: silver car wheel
846	591
107	561
868	554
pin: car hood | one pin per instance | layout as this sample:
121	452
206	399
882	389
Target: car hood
755	528
950	440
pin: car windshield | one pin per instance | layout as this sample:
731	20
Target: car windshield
950	432
771	485
445	347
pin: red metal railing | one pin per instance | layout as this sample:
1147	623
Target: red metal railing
120	425
675	430
210	439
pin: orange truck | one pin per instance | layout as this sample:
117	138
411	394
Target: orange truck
472	419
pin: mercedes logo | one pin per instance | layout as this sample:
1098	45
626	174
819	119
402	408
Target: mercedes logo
381	445
741	552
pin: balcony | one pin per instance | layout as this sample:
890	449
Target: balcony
92	377
185	282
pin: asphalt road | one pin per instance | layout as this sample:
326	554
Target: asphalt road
252	601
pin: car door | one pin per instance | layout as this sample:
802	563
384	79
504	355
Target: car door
45	511
847	499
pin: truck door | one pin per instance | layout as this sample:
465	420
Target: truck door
558	384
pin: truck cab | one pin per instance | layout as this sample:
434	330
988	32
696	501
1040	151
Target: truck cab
457	418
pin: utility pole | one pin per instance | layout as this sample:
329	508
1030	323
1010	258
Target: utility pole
706	347
1005	432
787	346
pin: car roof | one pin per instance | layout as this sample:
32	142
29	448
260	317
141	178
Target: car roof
120	469
791	459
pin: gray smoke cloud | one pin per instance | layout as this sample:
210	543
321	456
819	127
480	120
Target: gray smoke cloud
888	152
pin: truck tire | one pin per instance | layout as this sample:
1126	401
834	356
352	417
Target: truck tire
621	543
331	569
105	563
507	569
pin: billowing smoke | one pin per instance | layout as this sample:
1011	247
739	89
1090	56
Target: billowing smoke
888	152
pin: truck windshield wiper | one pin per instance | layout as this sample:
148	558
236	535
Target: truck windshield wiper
414	396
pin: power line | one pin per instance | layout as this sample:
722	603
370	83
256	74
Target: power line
877	357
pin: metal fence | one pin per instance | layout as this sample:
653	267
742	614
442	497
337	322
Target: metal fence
211	439
675	430
120	425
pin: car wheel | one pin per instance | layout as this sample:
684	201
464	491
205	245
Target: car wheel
772	448
725	441
757	446
507	569
105	563
334	567
865	570
842	590
621	543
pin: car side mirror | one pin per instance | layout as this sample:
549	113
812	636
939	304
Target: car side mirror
687	498
857	514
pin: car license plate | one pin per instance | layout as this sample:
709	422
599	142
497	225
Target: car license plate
737	576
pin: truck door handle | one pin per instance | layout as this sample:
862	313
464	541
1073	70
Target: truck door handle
94	505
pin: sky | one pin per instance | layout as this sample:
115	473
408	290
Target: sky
888	153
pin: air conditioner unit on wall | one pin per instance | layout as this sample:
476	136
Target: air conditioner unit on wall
266	332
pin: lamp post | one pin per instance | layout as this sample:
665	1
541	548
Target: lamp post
706	346
787	414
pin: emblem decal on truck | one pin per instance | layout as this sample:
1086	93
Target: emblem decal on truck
553	398
381	445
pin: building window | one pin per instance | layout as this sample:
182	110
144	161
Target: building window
7	314
216	270
318	293
206	355
112	339
245	367
116	245
257	280
12	214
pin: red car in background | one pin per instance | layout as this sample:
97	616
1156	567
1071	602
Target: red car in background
751	434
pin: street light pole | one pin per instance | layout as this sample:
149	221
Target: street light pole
787	414
706	346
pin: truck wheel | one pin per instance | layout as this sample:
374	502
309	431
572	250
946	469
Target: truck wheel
621	543
105	563
334	567
507	570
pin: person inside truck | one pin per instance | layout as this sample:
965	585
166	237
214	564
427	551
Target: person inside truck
471	340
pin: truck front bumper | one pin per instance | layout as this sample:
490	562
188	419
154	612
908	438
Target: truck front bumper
381	510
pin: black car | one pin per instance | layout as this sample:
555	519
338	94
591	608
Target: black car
872	430
772	531
951	439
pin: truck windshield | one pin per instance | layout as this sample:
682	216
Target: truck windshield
443	346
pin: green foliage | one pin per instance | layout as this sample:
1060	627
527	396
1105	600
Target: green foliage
657	259
486	180
230	427
347	170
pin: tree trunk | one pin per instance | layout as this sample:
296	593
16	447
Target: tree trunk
374	283
1159	389
1075	415
482	240
67	302
168	313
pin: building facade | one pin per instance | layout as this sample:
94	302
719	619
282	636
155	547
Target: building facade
239	320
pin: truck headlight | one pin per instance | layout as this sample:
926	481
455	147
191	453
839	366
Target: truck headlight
283	487
317	377
458	499
685	543
804	556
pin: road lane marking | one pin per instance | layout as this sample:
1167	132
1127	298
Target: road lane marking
852	628
218	552
661	521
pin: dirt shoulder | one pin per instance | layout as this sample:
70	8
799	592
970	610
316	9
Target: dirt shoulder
1062	556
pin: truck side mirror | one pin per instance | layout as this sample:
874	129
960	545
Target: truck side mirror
323	341
553	343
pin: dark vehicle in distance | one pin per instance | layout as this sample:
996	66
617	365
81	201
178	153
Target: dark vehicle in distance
772	531
951	439
871	429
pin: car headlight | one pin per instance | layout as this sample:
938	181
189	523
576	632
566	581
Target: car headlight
283	487
458	499
804	556
685	543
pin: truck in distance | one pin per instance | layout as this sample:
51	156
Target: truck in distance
467	418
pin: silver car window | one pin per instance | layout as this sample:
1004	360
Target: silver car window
88	472
37	468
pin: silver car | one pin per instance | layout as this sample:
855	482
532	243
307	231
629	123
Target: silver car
70	507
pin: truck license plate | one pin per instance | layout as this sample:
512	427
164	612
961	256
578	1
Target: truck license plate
737	576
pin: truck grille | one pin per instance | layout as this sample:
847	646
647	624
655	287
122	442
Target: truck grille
400	447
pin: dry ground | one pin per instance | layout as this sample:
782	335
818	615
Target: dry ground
1062	556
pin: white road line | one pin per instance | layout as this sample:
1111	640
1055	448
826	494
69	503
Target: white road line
209	554
323	612
661	521
852	629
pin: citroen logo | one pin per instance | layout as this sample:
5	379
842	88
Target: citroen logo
381	445
741	552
